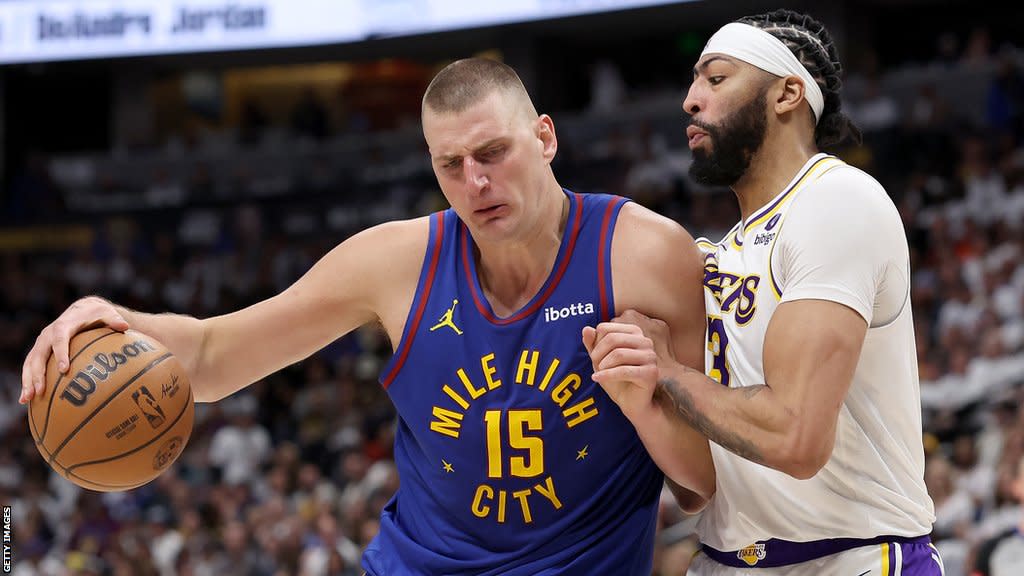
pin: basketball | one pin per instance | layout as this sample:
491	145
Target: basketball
119	417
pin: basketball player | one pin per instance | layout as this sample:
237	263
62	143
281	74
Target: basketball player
512	460
812	403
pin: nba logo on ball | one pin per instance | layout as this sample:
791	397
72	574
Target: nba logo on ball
145	401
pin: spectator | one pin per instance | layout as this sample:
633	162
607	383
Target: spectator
1003	555
240	448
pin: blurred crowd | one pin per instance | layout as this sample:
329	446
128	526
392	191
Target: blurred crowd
290	476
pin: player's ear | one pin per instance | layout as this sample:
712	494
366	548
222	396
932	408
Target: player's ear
789	94
546	134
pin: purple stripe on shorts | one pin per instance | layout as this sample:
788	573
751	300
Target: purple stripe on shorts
773	553
919	559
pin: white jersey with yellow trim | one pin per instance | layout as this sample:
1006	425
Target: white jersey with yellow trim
831	234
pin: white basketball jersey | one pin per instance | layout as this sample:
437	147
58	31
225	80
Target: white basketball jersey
831	234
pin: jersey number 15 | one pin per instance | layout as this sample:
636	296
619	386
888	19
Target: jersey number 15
519	421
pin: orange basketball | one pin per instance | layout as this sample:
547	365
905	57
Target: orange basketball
120	415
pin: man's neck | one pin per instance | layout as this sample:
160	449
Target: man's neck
513	271
771	169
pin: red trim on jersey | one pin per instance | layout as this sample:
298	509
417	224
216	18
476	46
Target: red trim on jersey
577	219
603	238
411	330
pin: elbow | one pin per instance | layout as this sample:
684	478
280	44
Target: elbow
202	391
689	500
802	458
202	394
694	503
804	470
700	486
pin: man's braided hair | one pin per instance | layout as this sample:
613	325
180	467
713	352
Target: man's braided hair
811	43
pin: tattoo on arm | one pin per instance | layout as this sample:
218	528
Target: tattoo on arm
678	400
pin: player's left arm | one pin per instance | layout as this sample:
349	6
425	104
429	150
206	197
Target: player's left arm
657	270
789	423
832	273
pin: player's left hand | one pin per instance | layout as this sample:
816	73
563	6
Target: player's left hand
626	354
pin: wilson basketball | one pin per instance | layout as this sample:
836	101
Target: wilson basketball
118	417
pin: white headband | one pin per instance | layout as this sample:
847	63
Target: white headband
759	48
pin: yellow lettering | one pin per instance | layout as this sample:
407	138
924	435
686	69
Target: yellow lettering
493	420
580	412
521	496
533	465
550	373
561	394
448	422
479	510
548	490
489	371
455	396
487	499
715	347
530	367
474	392
501	506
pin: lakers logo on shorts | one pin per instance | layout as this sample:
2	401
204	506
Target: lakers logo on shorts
751	554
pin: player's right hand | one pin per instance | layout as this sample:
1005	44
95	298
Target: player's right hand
85	313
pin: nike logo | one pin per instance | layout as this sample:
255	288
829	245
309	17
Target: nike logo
863	573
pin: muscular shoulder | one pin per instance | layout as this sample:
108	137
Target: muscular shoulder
394	247
846	194
843	240
847	214
653	258
645	237
657	270
382	260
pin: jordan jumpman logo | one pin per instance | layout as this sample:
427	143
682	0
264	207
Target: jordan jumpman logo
446	320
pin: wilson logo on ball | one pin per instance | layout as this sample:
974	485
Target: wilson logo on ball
84	382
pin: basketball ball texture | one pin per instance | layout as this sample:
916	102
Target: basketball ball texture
119	417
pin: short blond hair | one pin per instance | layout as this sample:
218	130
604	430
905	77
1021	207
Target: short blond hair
466	82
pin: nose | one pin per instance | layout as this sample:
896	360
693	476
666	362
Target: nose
476	175
691	104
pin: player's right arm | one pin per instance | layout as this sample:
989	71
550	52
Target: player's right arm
364	278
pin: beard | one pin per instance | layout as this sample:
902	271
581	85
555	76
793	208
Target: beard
733	143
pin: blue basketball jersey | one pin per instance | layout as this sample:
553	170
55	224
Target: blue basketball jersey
511	459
